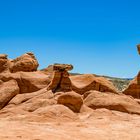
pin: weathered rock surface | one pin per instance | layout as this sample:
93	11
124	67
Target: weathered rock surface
60	80
4	63
21	98
56	112
8	90
27	62
43	99
27	81
51	100
134	87
72	100
111	101
86	82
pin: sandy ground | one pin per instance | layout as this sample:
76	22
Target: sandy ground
120	126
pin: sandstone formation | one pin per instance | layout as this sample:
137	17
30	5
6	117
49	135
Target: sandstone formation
56	112
111	101
134	87
4	63
50	103
8	90
27	62
86	82
27	81
72	100
60	80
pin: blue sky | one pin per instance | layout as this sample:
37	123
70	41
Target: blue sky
95	36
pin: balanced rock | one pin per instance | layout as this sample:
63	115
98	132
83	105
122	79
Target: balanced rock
8	90
60	80
86	82
111	101
27	62
72	100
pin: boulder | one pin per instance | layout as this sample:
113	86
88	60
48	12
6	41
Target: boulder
27	62
86	82
27	81
8	90
4	63
133	88
112	101
72	100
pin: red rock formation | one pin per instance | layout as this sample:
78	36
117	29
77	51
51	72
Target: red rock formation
27	81
27	62
60	80
134	87
84	83
111	101
72	100
8	90
4	63
65	114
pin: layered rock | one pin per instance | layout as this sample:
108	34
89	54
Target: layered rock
56	112
8	90
133	88
4	63
123	103
27	81
72	100
60	80
27	62
86	82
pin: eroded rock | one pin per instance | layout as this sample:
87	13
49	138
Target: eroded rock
133	88
27	81
123	103
60	80
4	63
72	100
86	82
27	62
8	90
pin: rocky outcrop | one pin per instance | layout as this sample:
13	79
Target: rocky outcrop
112	101
60	80
72	100
63	105
27	81
56	112
134	87
4	63
27	62
86	82
8	90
